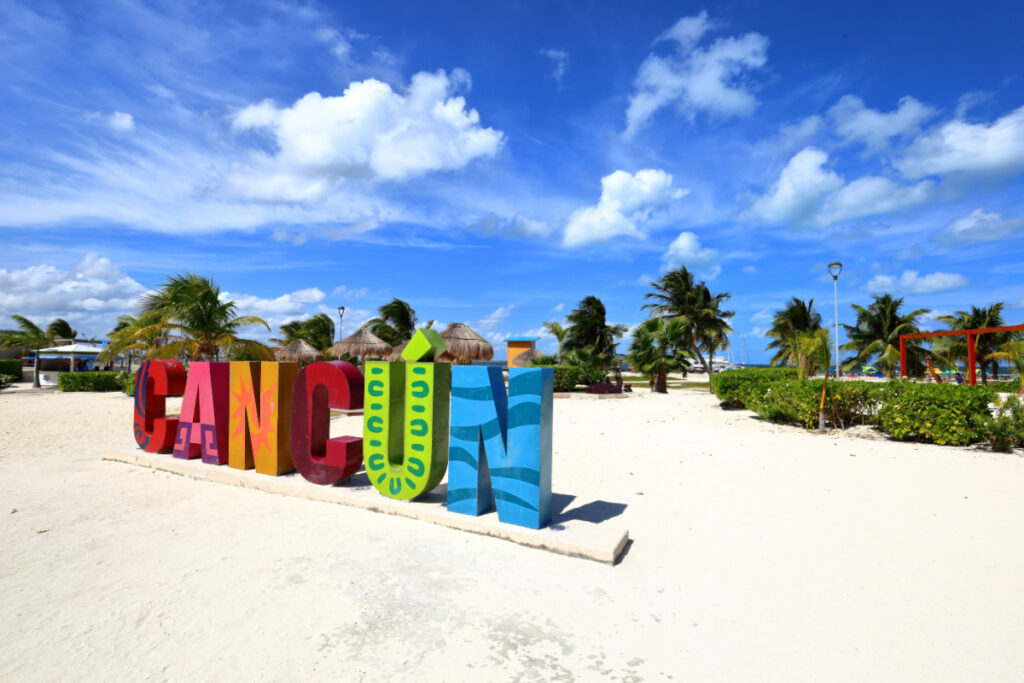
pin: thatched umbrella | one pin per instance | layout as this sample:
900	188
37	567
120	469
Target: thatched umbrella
299	351
396	353
464	345
362	344
524	359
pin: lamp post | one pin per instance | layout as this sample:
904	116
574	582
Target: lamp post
834	269
341	315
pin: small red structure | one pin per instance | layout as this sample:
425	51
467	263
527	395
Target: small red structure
972	376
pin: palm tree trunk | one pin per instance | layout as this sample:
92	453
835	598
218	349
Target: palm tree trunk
35	371
661	385
700	357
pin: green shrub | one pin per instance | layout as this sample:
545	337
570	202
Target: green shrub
11	366
566	376
544	360
795	401
1007	387
938	413
1005	429
742	388
88	381
7	380
591	374
126	381
788	402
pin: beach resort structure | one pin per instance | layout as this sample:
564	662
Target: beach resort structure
518	345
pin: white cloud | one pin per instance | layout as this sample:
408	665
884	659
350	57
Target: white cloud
285	235
627	200
873	195
797	195
89	295
282	308
686	250
121	121
92	285
981	226
913	283
795	135
559	60
370	131
749	270
349	293
340	45
762	316
856	123
369	59
696	79
514	226
494	318
353	319
968	101
558	309
809	195
359	227
994	149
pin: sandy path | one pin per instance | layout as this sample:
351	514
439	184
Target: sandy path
759	553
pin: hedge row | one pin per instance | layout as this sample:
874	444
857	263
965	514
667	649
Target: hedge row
88	381
738	388
566	376
10	366
126	382
934	413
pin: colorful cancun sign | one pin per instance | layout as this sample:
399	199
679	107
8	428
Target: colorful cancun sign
421	419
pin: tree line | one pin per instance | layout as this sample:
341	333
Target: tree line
187	317
874	338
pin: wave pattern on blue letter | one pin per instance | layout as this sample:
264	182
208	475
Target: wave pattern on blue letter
500	445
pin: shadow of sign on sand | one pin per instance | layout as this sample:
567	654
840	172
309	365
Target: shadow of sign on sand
594	512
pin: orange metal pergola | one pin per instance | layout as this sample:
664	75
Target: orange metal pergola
972	376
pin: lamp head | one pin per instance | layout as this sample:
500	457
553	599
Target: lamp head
341	310
834	269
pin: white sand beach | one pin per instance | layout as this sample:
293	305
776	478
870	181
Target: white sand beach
759	552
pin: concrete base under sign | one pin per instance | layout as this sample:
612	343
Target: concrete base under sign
574	537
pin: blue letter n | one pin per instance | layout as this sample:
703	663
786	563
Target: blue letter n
500	446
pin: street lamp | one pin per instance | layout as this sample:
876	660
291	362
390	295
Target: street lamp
341	315
834	269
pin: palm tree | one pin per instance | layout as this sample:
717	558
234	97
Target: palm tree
678	295
588	330
190	306
985	345
555	329
877	336
812	350
29	336
1013	351
395	322
126	338
60	329
317	331
787	325
659	346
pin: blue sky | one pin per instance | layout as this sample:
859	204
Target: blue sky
494	163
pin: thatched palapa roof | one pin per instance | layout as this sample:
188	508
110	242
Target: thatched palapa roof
396	353
299	351
464	345
363	343
524	359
